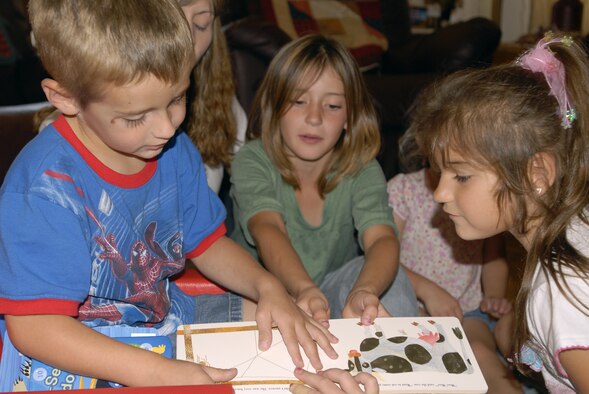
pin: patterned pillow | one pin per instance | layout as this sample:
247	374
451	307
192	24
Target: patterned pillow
356	24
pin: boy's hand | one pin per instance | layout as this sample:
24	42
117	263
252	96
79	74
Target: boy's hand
219	375
276	308
313	302
365	305
438	302
178	372
495	306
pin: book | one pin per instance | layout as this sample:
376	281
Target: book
21	373
406	355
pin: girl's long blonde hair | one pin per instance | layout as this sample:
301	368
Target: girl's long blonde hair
210	120
501	118
301	62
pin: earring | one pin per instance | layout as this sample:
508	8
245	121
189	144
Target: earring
538	190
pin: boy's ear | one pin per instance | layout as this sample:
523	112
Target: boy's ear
60	97
542	171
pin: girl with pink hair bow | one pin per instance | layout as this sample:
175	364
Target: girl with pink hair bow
511	144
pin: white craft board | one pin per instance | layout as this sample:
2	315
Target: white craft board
406	355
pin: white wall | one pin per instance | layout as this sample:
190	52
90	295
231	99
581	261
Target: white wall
472	8
515	19
515	15
518	17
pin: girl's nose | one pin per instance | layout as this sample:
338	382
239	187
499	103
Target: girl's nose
313	116
442	192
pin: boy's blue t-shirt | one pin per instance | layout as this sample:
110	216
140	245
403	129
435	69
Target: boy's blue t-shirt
79	239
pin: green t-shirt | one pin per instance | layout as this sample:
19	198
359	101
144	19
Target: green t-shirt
355	204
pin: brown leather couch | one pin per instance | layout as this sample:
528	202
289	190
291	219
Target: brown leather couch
412	61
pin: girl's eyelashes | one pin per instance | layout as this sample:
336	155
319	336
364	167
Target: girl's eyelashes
200	28
332	107
461	178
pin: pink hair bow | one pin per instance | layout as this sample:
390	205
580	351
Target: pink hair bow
542	59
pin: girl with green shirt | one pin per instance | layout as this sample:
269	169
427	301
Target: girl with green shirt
310	199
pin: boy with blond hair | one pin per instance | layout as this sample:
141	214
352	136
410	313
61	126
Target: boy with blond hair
105	205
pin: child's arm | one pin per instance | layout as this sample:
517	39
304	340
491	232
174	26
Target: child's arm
574	362
494	277
273	244
503	334
228	264
64	342
381	262
437	301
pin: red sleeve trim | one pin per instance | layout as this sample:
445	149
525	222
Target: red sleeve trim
208	241
42	306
